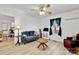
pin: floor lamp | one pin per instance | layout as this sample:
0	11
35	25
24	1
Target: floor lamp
18	28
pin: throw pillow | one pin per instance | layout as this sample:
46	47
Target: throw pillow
24	35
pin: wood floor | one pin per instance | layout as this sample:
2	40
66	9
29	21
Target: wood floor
55	48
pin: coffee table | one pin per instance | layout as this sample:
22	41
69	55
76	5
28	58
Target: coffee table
42	42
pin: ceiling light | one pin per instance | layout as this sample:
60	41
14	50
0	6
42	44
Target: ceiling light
42	12
45	9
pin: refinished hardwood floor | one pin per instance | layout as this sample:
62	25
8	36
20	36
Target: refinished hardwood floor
7	47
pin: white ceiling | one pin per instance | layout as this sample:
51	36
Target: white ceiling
31	9
3	18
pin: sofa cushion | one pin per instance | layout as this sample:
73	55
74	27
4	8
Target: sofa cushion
28	33
31	33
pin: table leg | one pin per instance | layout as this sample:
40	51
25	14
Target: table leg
43	46
46	45
39	45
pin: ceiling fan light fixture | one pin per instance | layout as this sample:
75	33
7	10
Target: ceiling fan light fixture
42	12
45	9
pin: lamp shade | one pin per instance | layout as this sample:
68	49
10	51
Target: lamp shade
17	27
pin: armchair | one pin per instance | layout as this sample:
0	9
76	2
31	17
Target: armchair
71	44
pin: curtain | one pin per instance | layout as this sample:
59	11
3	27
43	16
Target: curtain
60	32
58	21
51	23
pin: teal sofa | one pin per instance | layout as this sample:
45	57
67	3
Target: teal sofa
29	36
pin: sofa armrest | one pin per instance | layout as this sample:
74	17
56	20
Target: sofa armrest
24	36
67	43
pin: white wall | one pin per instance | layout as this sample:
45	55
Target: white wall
69	23
29	23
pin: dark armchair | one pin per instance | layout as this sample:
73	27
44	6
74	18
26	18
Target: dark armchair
71	44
